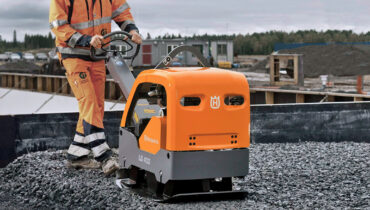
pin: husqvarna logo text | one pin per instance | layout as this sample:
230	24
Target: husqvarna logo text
215	102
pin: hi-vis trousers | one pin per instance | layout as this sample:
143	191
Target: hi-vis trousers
87	81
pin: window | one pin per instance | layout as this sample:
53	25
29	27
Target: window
199	47
170	48
222	49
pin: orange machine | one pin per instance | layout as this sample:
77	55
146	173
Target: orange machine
184	131
199	115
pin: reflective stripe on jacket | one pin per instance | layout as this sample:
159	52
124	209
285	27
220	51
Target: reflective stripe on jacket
71	19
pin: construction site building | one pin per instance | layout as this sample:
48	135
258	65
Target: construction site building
154	50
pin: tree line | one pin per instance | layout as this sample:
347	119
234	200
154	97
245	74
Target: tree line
30	42
263	43
247	44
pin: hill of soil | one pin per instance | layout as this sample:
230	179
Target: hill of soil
334	59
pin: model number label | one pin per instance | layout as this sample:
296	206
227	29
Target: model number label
144	159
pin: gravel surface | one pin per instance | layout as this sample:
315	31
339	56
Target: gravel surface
294	176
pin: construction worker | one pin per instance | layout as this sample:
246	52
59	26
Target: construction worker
78	25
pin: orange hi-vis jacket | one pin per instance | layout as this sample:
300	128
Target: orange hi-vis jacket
71	20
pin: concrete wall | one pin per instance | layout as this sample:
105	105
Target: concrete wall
7	137
330	122
22	134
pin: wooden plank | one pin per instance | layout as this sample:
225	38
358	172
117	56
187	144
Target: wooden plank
65	87
295	63
258	89
269	96
23	82
106	90
4	80
30	85
119	93
299	98
57	85
331	99
10	81
49	87
358	99
272	70
70	92
112	90
282	83
286	56
32	75
300	68
16	81
39	84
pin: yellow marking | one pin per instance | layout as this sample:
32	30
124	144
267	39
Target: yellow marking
142	104
149	111
136	118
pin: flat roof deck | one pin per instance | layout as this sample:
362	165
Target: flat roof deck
15	102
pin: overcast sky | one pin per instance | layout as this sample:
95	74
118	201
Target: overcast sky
207	16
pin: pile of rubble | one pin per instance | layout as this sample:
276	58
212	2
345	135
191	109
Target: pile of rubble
333	59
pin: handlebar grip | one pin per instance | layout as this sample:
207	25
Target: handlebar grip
103	57
116	33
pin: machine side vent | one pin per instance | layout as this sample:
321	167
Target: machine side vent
234	100
190	101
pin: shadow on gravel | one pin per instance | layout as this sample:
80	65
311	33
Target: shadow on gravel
229	196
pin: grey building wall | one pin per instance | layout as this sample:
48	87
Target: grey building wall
229	54
190	59
160	50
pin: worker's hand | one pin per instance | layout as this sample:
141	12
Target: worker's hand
136	37
96	41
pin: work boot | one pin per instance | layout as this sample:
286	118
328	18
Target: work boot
109	166
85	163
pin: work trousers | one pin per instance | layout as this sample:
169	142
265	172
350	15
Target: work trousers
87	81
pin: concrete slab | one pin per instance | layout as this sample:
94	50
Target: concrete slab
16	102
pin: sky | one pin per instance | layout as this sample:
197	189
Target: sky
188	17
